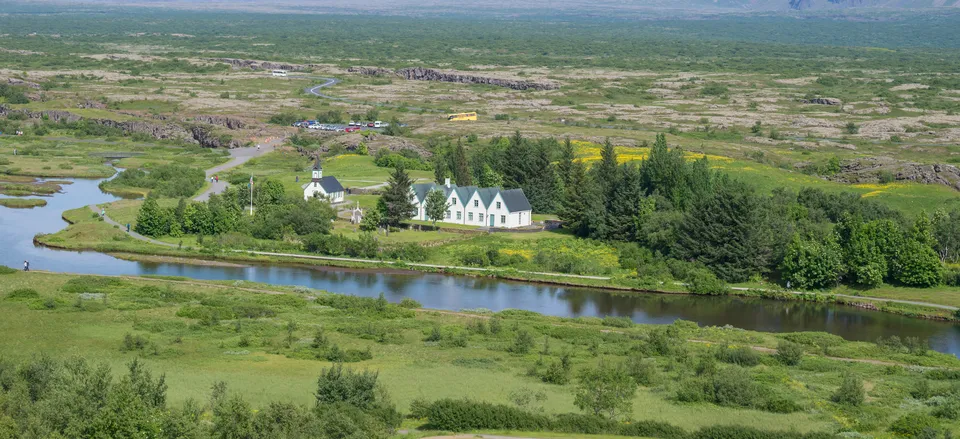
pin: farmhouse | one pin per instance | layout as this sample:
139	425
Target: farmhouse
323	187
473	206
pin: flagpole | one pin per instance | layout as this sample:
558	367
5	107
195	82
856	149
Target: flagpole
251	194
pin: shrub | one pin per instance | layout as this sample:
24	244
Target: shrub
742	356
23	294
409	303
913	424
704	282
466	415
522	343
6	270
742	432
644	371
133	343
617	322
90	284
337	355
655	429
734	387
789	353
851	391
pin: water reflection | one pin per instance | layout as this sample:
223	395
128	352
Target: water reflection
18	226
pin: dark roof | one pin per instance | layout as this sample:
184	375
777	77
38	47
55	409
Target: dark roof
487	195
465	193
421	190
331	185
515	200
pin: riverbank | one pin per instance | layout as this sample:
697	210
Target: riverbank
268	342
87	233
22	203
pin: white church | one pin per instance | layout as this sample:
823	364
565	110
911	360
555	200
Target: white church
474	206
323	187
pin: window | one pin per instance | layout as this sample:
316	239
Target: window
476	203
470	216
454	200
448	214
498	204
459	215
481	217
503	219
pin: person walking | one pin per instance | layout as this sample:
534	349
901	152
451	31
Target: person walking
26	265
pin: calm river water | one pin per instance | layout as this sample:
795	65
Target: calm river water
18	226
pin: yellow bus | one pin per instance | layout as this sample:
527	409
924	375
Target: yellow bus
462	116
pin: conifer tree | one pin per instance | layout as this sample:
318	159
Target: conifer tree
151	219
461	166
396	204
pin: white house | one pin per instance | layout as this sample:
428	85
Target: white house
473	206
325	187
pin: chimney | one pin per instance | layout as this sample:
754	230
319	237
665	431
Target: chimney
446	182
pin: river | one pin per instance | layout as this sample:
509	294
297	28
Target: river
18	226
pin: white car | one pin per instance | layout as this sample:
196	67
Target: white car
377	124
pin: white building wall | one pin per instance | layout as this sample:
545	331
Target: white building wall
473	210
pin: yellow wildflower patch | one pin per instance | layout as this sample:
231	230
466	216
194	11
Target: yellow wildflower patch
872	194
527	254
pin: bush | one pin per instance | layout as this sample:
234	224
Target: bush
734	387
851	391
90	284
742	356
522	343
704	282
913	424
409	303
643	371
661	430
742	432
617	322
789	353
467	415
23	294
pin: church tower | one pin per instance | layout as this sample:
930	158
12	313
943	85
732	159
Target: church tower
317	171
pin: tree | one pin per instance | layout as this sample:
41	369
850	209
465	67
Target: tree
151	219
812	263
664	172
461	166
851	391
580	206
918	266
723	230
489	177
565	165
605	390
862	254
946	230
396	204
789	353
372	219
436	206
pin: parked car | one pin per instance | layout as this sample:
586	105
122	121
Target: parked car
370	125
377	124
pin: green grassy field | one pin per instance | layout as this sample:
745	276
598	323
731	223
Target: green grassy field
258	360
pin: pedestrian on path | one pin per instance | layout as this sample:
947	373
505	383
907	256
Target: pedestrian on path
103	212
217	178
26	266
128	227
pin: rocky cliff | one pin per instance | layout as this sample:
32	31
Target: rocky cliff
869	169
424	74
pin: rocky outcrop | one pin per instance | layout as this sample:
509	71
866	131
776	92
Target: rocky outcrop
822	101
232	123
157	131
54	115
89	103
870	169
424	74
371	71
259	65
21	83
209	139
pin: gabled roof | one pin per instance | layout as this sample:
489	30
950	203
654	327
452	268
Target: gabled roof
317	167
487	195
515	200
328	184
465	193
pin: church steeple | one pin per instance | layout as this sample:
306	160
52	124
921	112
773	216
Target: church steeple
317	171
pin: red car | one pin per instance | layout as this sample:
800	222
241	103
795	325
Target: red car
351	129
370	125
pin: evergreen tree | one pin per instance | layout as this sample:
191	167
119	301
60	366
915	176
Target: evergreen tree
665	172
541	185
436	206
179	214
723	230
396	204
151	219
579	205
565	165
461	166
622	206
441	170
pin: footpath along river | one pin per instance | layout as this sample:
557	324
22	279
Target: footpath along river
18	226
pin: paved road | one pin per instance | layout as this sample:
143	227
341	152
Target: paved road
123	227
315	90
238	156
